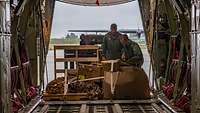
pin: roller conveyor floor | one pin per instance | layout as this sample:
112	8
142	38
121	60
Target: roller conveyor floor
103	106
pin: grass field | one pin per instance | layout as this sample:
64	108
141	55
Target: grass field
76	41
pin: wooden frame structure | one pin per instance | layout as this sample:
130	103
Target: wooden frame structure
76	58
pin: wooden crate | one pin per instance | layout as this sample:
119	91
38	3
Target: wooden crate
75	58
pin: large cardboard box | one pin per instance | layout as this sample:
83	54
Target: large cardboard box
131	83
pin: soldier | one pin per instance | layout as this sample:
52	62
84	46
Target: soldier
131	52
82	42
111	44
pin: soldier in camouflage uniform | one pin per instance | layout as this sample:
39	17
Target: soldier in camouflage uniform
111	44
131	52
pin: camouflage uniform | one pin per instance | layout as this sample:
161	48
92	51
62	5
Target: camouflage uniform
112	46
133	54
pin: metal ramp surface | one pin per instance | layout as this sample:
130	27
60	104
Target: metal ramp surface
104	106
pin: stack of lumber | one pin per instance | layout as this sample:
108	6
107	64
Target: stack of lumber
91	70
87	85
56	86
96	69
93	88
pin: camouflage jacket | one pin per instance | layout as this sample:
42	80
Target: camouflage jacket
133	54
111	46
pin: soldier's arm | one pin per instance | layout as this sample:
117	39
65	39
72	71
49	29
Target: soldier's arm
137	58
104	46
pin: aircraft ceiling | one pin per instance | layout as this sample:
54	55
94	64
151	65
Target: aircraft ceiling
95	2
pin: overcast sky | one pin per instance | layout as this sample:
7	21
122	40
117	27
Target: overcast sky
68	17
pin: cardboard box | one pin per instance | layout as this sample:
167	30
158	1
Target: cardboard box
131	83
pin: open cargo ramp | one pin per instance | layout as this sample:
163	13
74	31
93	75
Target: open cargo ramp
103	106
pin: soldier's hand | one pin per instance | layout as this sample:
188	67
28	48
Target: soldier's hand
122	63
123	57
103	58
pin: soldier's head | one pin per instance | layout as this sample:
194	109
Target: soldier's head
82	36
113	28
124	39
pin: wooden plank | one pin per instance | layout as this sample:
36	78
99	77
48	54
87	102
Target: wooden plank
68	94
55	63
71	71
66	82
67	97
76	47
97	54
76	54
89	79
80	59
83	108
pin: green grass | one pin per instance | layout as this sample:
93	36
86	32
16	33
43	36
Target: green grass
65	41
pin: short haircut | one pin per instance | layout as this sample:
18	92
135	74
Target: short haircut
125	36
113	26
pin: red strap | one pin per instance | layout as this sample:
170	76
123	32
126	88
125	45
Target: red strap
97	2
183	103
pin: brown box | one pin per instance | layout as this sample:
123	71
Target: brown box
131	83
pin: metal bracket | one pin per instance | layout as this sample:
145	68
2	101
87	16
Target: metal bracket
5	34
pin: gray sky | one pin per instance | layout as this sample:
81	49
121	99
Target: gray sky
67	17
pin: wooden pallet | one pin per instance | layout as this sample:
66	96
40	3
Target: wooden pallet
67	97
